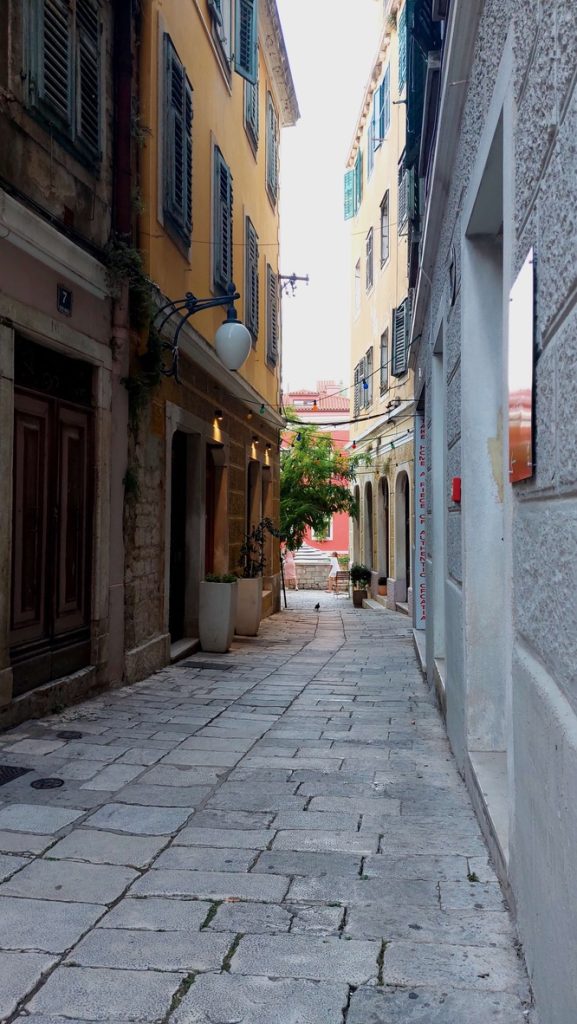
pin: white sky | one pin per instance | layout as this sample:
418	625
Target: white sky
331	44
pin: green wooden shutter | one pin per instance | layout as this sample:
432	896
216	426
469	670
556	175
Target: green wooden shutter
178	143
246	39
272	333
272	149
402	40
252	279
251	111
52	75
358	180
222	221
386	103
399	356
357	390
349	194
88	74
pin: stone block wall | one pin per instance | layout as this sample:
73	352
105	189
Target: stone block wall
313	575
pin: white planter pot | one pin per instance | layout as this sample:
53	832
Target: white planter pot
249	606
217	615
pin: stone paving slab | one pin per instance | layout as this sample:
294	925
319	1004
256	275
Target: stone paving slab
162	951
241	1000
301	956
19	974
149	821
215	885
374	1006
107	848
454	967
44	925
200	858
36	819
422	924
69	881
157	914
235	838
106	995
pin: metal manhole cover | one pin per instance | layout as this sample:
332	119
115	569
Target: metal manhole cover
8	772
47	783
207	665
69	734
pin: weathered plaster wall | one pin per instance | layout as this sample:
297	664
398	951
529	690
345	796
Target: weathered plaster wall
542	736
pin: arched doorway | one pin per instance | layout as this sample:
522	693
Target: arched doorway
368	552
356	526
402	537
383	527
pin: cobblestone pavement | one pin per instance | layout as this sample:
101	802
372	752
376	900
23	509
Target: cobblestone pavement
273	836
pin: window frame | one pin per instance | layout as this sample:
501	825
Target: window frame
272	318
384	364
272	149
178	221
252	113
252	280
221	275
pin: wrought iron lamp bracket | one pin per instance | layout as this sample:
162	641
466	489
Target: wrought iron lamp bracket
185	308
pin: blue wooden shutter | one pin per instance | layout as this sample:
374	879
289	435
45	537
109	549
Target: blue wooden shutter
251	288
357	390
246	39
349	194
52	76
358	180
178	147
272	334
399	355
222	221
88	74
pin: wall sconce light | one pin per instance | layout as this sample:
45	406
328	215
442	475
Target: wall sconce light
268	446
255	439
232	340
218	415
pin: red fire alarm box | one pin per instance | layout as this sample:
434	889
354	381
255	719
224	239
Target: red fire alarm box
456	490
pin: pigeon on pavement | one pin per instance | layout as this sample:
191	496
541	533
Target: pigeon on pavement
317	606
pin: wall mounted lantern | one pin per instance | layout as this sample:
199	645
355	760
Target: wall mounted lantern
232	340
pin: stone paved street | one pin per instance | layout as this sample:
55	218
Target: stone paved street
274	836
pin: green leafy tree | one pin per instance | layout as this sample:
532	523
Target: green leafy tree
315	484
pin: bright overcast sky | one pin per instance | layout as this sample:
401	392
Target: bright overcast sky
331	44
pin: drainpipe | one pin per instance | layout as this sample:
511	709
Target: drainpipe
120	336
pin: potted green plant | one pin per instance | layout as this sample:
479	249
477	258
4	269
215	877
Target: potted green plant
382	586
252	563
361	577
217	612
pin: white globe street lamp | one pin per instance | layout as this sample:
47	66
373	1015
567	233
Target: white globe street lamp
233	340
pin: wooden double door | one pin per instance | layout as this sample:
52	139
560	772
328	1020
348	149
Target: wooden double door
51	525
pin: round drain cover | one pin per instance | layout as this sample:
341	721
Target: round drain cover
47	783
69	734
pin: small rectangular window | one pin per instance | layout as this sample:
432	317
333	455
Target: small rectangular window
222	222
385	229
369	260
272	318
251	288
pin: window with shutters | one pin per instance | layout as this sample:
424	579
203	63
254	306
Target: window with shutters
235	31
251	113
65	70
368	391
369	274
222	222
384	375
358	180
403	195
272	318
177	168
400	337
272	140
354	187
357	390
251	286
402	38
385	229
371	145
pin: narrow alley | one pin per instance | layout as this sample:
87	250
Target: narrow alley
277	835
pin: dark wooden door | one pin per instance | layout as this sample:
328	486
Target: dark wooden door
210	512
51	531
178	516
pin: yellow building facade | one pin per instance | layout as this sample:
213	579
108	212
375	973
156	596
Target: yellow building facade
215	92
377	198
